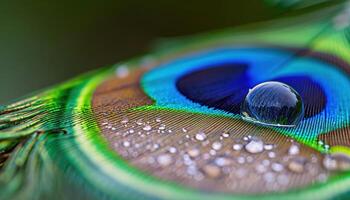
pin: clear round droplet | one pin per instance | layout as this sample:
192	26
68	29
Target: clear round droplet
200	136
255	146
274	104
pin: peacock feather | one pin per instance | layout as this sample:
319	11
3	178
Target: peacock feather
168	125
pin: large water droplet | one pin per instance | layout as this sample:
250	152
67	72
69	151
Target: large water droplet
273	103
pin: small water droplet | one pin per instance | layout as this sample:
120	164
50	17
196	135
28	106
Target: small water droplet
326	147
216	145
155	146
126	144
329	163
247	138
124	120
212	171
293	150
274	104
271	154
212	152
268	147
225	134
200	136
255	146
193	152
237	147
192	170
277	167
158	120
139	122
172	150
222	161
162	127
104	123
164	160
241	160
297	165
147	128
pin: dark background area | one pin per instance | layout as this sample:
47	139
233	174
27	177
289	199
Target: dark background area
47	42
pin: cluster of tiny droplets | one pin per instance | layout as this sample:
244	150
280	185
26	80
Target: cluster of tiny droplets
190	162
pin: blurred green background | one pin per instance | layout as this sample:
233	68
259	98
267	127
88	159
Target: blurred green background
47	42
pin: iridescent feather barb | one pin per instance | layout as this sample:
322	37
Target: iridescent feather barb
168	125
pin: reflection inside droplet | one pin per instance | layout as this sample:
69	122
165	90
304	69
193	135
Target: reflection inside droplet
273	103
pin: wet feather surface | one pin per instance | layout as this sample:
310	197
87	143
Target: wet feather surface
168	125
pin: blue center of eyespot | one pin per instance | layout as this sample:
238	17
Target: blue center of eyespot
225	86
